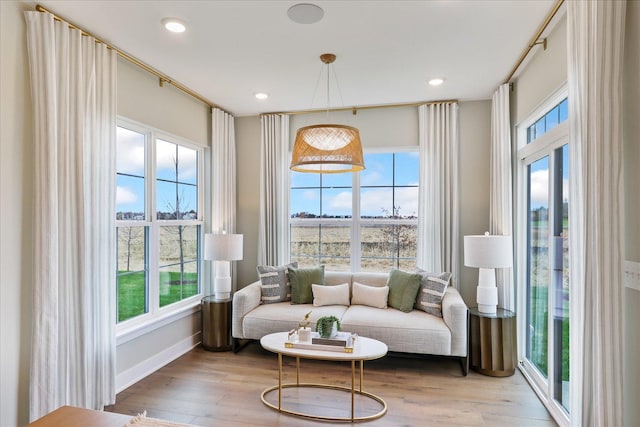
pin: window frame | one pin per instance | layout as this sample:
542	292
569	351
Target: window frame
528	152
157	316
356	221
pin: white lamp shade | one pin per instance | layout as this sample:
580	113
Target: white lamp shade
223	247
488	251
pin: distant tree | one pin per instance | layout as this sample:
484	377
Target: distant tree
400	235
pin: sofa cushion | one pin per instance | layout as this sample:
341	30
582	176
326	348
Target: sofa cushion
432	289
413	332
274	283
373	296
403	288
330	295
301	280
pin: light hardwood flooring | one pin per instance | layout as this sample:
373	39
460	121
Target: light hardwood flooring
223	389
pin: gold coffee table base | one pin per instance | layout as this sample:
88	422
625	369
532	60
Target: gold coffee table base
366	349
321	417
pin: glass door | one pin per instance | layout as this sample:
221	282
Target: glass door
547	275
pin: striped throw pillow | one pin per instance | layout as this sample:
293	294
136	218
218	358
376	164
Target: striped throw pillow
432	289
274	283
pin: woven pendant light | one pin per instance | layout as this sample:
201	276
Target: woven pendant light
327	148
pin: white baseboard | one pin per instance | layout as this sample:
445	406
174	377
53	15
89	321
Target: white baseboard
136	373
632	275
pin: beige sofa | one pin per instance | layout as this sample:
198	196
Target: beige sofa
414	332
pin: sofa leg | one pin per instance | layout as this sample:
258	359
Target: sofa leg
237	344
464	364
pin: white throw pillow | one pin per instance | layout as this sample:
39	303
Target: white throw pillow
330	295
373	296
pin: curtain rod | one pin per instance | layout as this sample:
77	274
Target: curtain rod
364	107
535	40
162	77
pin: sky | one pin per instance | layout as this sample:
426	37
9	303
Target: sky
539	176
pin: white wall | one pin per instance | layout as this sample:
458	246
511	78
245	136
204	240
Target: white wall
386	127
378	128
16	191
545	72
141	98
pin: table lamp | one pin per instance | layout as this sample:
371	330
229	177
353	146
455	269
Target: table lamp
222	249
487	253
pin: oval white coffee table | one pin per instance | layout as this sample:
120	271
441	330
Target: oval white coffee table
364	349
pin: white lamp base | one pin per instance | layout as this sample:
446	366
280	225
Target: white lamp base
487	292
222	281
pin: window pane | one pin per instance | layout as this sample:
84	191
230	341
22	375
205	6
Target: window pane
332	180
540	128
129	152
538	263
379	171
301	179
130	186
407	168
176	201
551	118
305	244
132	294
187	165
166	160
167	200
130	198
564	110
305	203
178	261
388	244
330	245
335	248
336	203
406	202
376	202
177	284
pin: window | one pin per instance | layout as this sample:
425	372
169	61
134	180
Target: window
550	120
543	218
363	221
158	252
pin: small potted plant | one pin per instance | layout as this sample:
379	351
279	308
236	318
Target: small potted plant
327	326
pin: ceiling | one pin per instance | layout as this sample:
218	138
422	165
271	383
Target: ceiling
386	50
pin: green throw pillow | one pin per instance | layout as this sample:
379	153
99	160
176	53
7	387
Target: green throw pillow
403	288
301	280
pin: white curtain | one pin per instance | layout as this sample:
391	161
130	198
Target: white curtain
438	217
73	91
595	34
500	194
273	233
223	176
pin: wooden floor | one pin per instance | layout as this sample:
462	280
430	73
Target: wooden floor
223	389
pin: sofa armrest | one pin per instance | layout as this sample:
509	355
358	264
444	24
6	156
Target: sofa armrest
455	314
244	300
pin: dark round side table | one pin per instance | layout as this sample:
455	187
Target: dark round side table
216	324
492	342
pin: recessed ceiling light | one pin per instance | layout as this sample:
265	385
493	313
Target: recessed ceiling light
174	25
436	82
261	95
305	13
